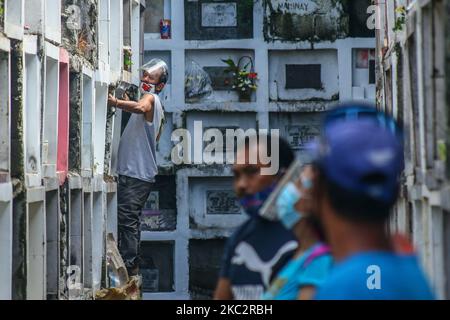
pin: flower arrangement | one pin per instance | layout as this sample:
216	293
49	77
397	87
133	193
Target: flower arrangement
244	80
401	18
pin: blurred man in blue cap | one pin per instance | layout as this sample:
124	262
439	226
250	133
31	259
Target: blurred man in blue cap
358	162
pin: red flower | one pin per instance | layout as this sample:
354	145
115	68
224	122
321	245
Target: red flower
253	75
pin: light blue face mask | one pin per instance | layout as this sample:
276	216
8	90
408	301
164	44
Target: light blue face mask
286	201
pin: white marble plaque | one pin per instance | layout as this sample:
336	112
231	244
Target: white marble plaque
219	15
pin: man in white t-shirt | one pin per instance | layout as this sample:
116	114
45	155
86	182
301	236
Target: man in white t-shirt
137	165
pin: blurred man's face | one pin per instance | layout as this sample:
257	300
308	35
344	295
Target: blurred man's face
153	79
247	177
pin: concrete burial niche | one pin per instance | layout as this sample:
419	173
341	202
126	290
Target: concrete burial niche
5	121
62	164
53	20
363	74
52	235
14	18
87	121
211	62
297	129
6	238
116	53
309	74
200	122
76	229
158	265
156	10
213	204
210	20
310	20
36	244
34	16
98	239
111	213
104	32
51	103
32	113
87	239
205	261
101	99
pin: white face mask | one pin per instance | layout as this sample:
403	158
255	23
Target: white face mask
147	88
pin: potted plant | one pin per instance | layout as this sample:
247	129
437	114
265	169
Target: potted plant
244	78
127	62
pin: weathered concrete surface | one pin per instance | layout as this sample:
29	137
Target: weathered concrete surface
315	20
63	238
79	28
75	122
297	20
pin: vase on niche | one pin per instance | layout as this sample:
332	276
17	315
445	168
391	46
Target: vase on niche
245	95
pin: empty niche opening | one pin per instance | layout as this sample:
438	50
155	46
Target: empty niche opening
75	229
111	211
32	114
97	239
156	10
101	95
52	234
4	117
157	267
87	240
50	143
36	251
205	259
160	209
5	250
86	155
363	74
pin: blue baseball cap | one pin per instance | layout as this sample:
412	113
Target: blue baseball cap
361	152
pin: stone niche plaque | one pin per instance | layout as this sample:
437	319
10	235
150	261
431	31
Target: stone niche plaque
298	136
296	79
219	15
221	80
298	128
221	202
218	20
305	20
